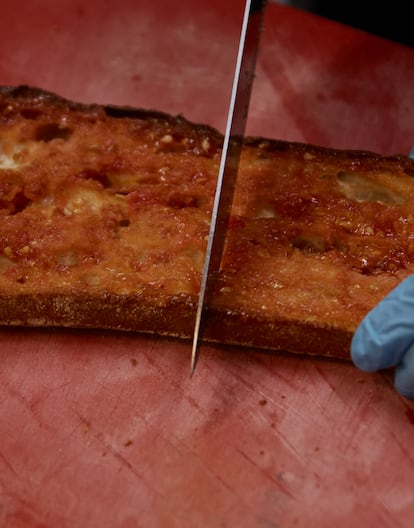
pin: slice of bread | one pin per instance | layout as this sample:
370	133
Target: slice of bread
105	215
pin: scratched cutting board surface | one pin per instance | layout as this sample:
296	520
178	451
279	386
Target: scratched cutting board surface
104	430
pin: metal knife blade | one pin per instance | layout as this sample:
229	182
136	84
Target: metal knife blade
232	146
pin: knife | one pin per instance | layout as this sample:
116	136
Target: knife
230	158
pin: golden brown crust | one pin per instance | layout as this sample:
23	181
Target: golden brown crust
104	215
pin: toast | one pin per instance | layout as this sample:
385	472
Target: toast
105	215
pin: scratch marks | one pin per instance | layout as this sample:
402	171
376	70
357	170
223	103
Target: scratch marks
100	439
5	462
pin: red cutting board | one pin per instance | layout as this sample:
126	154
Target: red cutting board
108	431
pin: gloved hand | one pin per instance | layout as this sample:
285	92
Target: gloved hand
385	338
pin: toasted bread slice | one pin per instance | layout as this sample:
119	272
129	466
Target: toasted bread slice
105	215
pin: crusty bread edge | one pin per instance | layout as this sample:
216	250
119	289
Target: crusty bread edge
33	93
175	318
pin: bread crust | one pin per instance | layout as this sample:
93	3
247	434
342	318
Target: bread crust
104	219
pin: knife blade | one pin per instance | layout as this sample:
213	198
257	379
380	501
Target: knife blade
230	158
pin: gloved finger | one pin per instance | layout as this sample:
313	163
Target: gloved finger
387	331
404	374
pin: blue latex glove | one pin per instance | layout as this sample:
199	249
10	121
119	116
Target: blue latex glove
385	338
